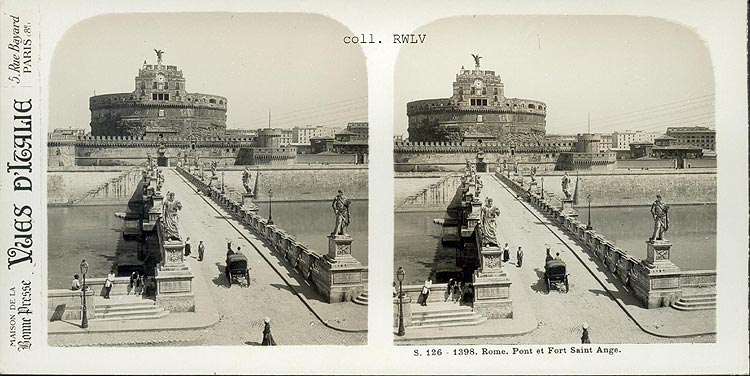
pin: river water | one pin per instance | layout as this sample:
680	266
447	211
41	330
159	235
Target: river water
95	234
692	232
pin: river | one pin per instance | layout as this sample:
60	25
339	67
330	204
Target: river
95	234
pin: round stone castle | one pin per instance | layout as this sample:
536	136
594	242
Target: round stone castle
477	109
159	106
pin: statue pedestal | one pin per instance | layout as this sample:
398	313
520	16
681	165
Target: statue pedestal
492	285
173	277
474	213
340	277
154	213
567	208
247	202
656	280
533	187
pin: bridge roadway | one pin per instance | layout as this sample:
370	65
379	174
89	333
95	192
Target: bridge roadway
241	310
559	315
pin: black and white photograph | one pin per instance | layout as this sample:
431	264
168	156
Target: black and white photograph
204	188
557	185
517	187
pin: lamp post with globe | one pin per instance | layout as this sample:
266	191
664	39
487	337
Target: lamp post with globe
84	317
400	273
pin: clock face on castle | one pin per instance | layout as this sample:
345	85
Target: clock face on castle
478	83
159	78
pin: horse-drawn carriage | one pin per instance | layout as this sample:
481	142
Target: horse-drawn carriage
556	274
237	269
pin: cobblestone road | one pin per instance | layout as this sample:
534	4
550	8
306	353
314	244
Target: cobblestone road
559	315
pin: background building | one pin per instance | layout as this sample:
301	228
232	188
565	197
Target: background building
622	140
302	135
702	137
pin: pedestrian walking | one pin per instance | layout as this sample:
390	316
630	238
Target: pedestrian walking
449	289
456	291
585	334
139	286
426	291
519	257
506	253
201	250
134	278
108	283
187	247
76	285
267	336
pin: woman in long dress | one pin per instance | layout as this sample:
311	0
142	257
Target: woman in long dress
267	336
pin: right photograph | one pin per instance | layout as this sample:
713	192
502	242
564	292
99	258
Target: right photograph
555	183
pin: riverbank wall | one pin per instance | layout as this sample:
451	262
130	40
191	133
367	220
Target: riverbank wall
288	183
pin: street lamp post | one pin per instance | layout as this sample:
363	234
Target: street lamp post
222	182
84	316
400	276
588	226
542	179
270	198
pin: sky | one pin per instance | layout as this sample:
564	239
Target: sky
293	64
628	73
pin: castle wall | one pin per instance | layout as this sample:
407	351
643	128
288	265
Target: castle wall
506	126
133	118
135	155
444	156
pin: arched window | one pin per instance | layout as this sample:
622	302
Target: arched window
166	85
531	106
484	91
213	101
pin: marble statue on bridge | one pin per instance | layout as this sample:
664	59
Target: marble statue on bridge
213	168
170	221
533	174
340	206
246	176
488	225
660	213
565	182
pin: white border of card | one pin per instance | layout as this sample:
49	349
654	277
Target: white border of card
722	25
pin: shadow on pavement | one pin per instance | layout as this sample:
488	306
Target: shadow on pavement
539	286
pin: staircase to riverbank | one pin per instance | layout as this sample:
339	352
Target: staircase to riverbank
444	314
127	307
695	299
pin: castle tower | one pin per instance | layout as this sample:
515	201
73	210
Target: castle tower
478	108
159	106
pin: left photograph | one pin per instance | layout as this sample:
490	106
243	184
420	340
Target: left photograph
207	182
